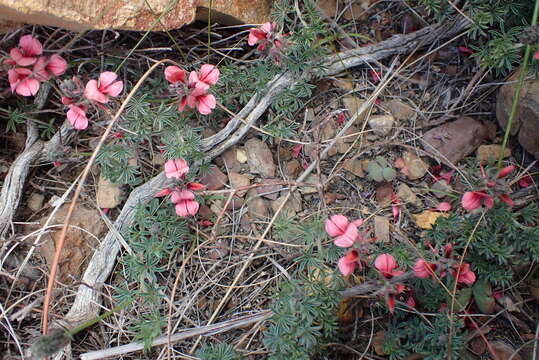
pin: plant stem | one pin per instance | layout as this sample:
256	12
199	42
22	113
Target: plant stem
97	319
516	99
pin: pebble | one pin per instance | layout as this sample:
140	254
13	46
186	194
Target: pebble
259	158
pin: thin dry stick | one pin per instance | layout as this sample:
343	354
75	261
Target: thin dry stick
86	171
182	335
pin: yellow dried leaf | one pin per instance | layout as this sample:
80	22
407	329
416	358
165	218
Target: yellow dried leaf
427	218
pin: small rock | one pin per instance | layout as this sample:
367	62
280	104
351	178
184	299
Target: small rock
108	195
292	169
215	179
241	156
352	130
441	189
237	181
284	154
381	124
486	153
230	161
417	168
353	104
384	190
342	146
378	342
400	110
427	218
327	132
407	196
256	206
311	179
454	140
381	228
158	159
35	201
205	212
503	351
344	84
270	189
354	166
259	158
292	206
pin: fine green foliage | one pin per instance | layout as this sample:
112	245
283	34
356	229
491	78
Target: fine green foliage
114	162
153	238
221	351
494	31
412	334
503	239
380	170
304	318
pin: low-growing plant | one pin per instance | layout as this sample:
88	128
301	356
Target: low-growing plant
380	170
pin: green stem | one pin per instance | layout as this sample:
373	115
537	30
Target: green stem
97	319
516	98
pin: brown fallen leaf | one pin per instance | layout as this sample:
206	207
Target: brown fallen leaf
349	310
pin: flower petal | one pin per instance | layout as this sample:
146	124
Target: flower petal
77	117
114	89
174	74
348	238
209	74
30	45
206	104
106	79
27	87
92	93
336	225
471	200
176	168
57	65
385	263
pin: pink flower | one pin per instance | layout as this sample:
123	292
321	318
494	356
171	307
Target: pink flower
386	264
536	55
259	35
107	87
195	186
375	75
200	99
185	203
208	75
506	171
27	52
465	275
411	302
443	206
176	168
174	74
344	232
164	192
423	269
347	264
471	200
45	69
76	115
21	82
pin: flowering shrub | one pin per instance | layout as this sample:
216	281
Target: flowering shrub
27	68
193	92
493	186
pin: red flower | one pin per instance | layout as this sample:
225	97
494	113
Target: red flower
471	200
506	199
443	206
465	275
347	264
193	93
185	203
423	269
506	171
199	98
386	264
261	34
536	55
107	86
164	192
208	75
195	186
525	181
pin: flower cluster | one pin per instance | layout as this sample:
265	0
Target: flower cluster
346	234
28	68
493	186
182	197
96	92
387	266
462	272
267	39
193	91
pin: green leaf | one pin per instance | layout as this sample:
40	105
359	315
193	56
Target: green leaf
375	171
389	174
462	299
482	293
